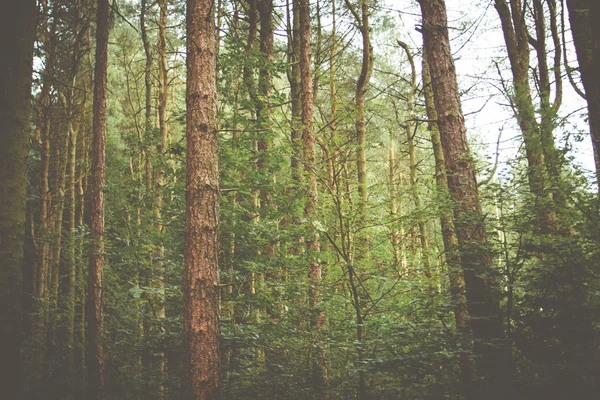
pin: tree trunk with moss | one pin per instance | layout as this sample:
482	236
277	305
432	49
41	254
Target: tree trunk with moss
517	38
362	21
410	129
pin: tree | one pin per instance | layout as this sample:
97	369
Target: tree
17	37
362	20
451	251
319	365
95	357
410	140
538	139
586	37
201	291
484	309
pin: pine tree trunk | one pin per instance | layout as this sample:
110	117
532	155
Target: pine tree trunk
43	128
319	362
293	56
457	280
95	357
201	291
484	309
159	183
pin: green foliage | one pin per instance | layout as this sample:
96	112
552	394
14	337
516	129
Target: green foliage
409	347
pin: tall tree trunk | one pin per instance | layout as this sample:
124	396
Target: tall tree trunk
65	196
583	17
81	219
265	125
395	210
159	183
43	128
201	291
333	114
60	320
18	35
319	362
95	357
263	107
457	280
549	107
484	309
146	136
516	37
362	20
293	73
71	265
409	127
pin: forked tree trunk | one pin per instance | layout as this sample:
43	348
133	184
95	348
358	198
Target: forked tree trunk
200	286
516	37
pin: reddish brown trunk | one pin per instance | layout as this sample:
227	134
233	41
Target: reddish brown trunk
201	291
455	272
319	364
263	111
486	320
95	360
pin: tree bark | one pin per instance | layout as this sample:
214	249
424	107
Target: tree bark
484	309
293	73
362	21
583	17
409	127
95	357
451	246
319	362
16	41
516	37
201	291
159	183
